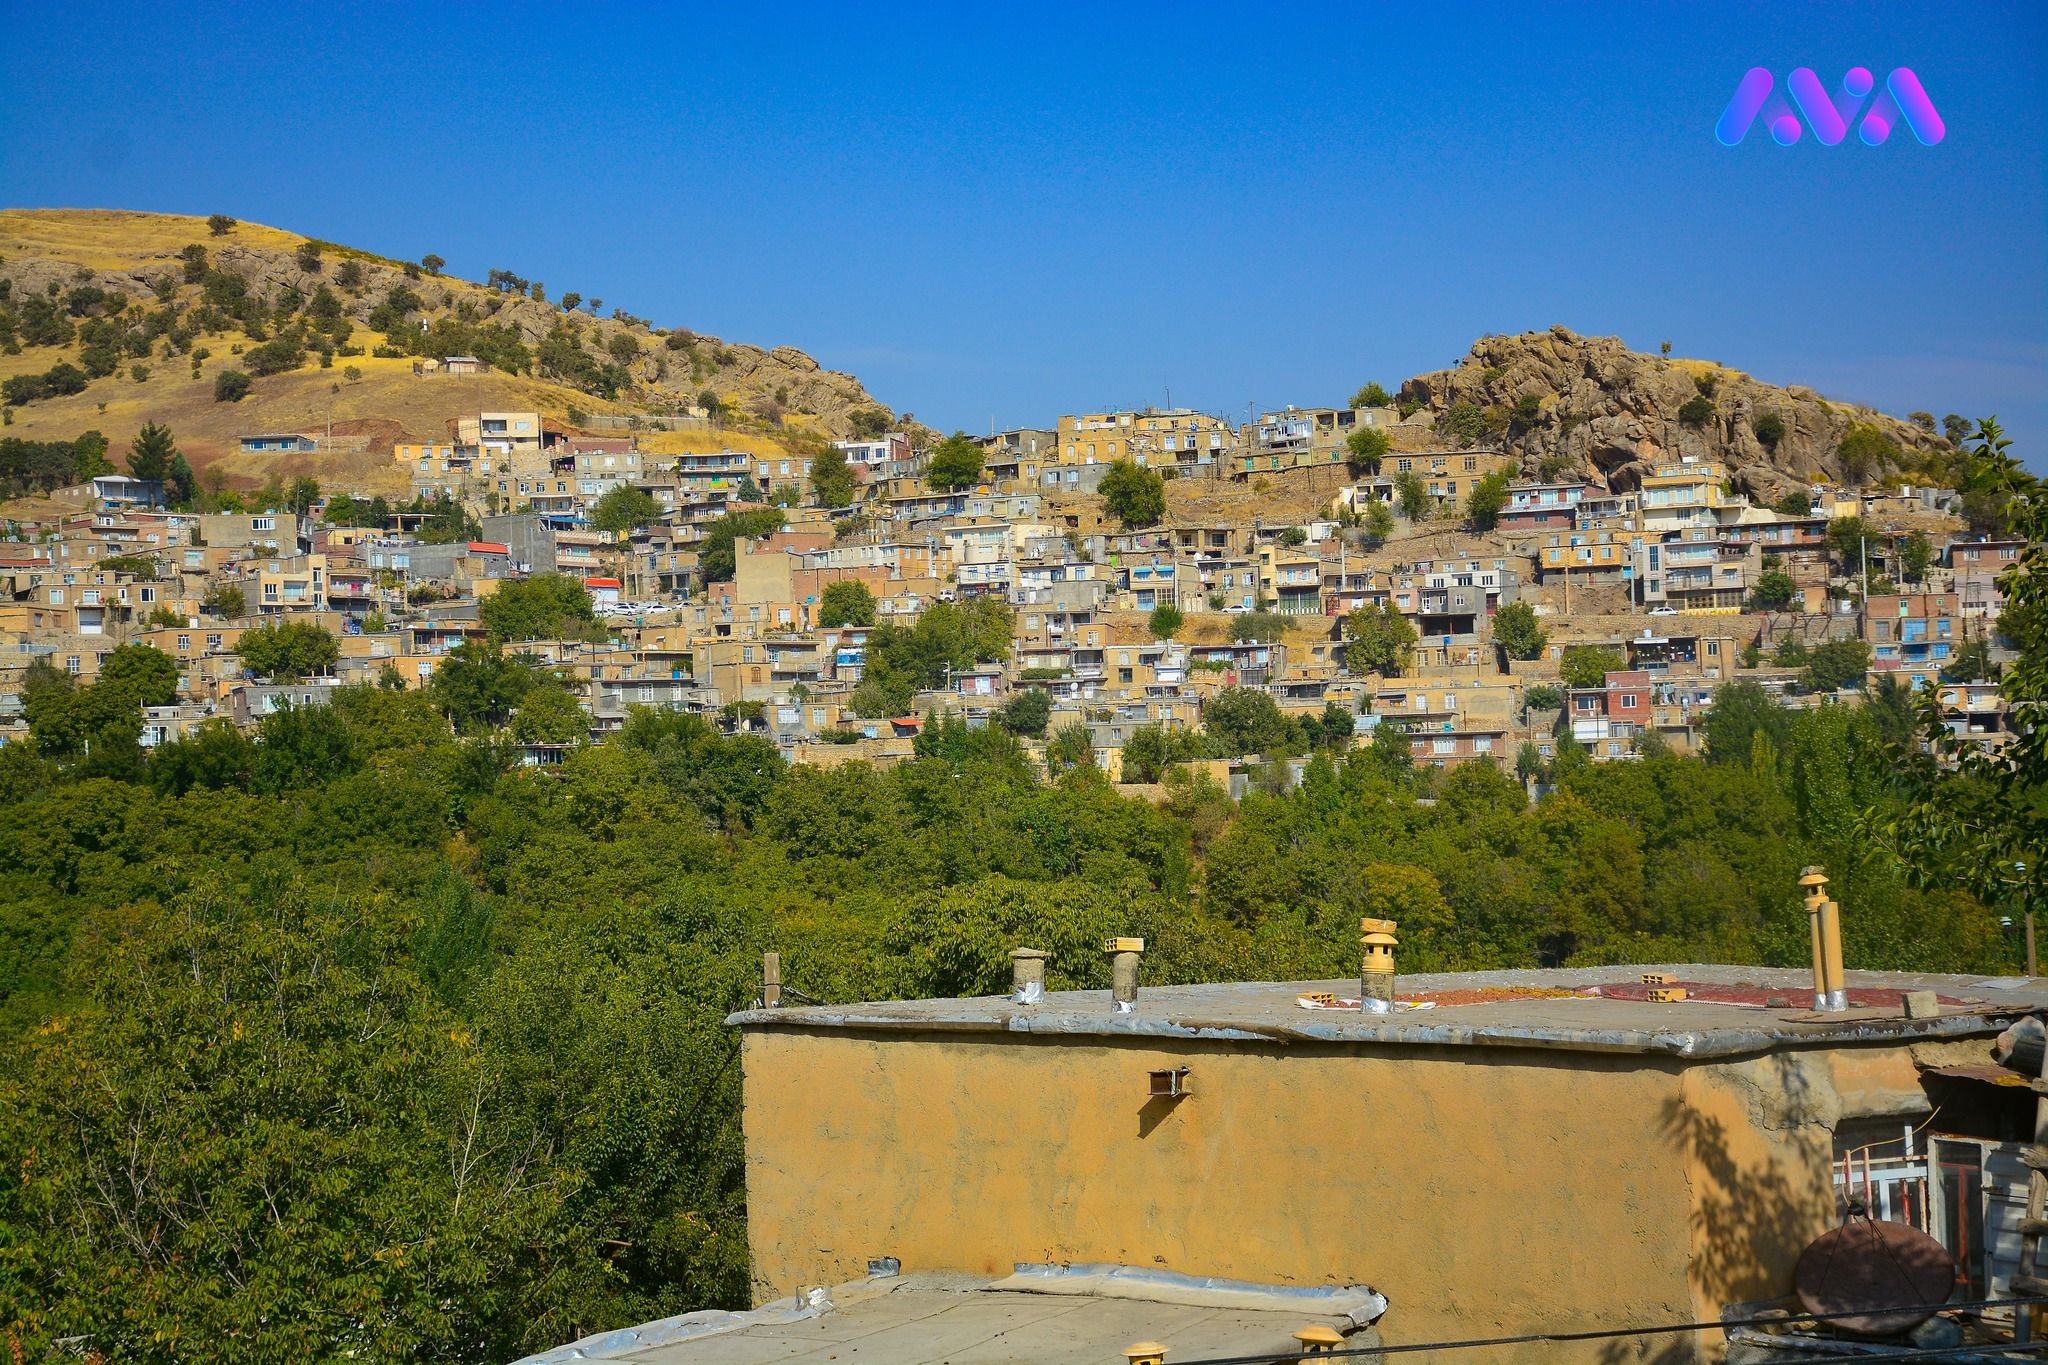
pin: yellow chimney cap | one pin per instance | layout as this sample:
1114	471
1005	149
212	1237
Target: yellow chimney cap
1813	876
1316	1334
1123	945
1145	1353
1378	926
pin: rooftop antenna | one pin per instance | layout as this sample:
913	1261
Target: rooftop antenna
1169	395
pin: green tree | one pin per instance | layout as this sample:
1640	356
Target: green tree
1793	504
219	224
955	463
1379	521
717	558
832	478
1133	495
1514	626
145	672
1970	663
1865	450
303	1047
225	600
1069	748
548	714
624	508
849	602
1774	591
1588	665
1371	396
1696	411
289	651
1836	664
1769	429
478	686
548	606
1243	720
1542	697
1483	505
1916	552
1152	749
151	453
1850	538
1378	640
230	386
1364	449
1466	422
1412	494
433	264
1026	713
1165	621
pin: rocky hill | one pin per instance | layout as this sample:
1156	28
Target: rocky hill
1571	404
129	299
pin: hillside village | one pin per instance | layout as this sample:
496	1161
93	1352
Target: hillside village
1557	550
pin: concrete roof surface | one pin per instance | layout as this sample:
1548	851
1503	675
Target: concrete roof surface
1746	1016
934	1319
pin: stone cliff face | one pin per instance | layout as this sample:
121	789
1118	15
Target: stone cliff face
1602	409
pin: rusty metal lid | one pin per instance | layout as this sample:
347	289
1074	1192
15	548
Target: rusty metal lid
1866	1267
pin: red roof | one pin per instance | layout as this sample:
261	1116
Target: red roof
602	583
487	547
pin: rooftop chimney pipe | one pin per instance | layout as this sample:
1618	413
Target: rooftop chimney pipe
1376	965
1027	975
1123	955
1825	920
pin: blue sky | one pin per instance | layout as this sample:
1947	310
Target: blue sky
999	214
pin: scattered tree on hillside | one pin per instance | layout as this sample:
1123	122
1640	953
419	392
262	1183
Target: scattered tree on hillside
1165	621
1515	627
1378	640
548	606
624	508
849	602
1484	503
717	557
1364	448
219	224
289	651
1588	665
832	478
150	454
1769	429
1134	495
955	463
230	386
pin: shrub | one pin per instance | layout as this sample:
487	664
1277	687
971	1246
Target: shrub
1697	410
220	225
1466	422
230	386
1769	429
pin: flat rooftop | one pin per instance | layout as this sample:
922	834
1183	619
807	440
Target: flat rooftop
1729	1011
1026	1319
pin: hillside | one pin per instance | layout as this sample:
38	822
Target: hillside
107	291
1571	404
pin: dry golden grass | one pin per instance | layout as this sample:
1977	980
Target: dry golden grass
118	239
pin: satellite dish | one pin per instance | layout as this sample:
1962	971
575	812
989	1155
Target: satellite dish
1877	1272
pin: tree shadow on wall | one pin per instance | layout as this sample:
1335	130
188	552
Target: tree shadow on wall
1759	1198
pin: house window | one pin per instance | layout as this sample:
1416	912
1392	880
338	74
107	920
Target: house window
1628	701
262	524
1443	746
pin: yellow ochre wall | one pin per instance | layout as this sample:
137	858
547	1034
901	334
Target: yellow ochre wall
1484	1191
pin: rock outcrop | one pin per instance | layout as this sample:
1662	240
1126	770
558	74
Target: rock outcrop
1601	409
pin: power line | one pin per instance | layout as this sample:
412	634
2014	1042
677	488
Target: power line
1615	1333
